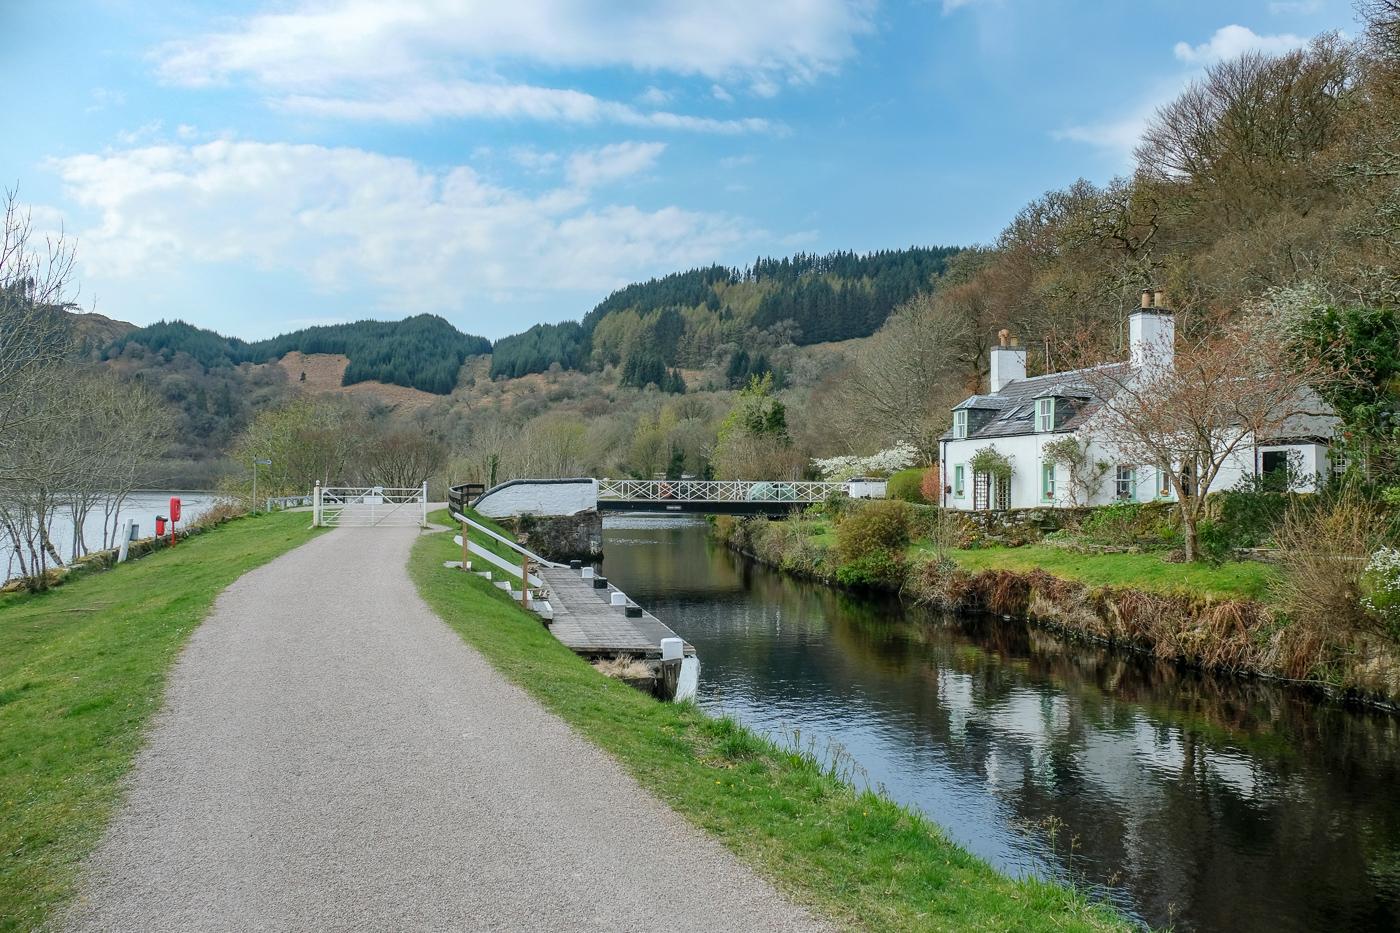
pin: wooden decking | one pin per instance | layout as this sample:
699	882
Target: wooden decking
585	621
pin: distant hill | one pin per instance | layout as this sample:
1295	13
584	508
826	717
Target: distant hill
95	331
685	319
423	352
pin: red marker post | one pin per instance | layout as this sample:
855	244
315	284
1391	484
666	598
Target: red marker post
174	516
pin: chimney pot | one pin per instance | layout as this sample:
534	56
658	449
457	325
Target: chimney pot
1147	298
1003	335
1159	299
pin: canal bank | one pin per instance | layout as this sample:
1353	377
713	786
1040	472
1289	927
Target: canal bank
855	857
1211	803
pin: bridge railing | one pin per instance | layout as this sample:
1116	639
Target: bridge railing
695	490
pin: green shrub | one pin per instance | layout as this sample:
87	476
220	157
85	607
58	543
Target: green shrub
881	526
876	570
1247	517
1131	524
906	486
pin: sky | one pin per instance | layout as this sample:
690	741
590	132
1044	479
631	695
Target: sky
263	166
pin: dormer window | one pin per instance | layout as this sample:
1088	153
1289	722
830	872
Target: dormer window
1045	414
960	423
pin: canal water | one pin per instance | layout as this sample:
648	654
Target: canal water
143	507
1207	803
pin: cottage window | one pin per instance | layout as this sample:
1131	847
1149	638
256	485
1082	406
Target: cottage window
960	423
959	487
1164	482
1045	414
1125	484
1047	481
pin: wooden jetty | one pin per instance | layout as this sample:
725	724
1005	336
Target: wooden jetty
586	620
590	616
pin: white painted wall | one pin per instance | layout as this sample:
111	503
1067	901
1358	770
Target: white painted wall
560	498
1025	452
866	488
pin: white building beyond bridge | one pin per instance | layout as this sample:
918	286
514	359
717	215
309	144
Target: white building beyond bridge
1019	416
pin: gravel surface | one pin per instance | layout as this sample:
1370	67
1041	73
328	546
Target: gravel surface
332	757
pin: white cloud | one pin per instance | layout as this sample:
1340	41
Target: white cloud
1231	41
458	99
720	94
347	220
1296	7
424	59
532	159
654	96
1119	135
321	42
735	161
593	167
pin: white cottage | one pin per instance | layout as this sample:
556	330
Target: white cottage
1019	416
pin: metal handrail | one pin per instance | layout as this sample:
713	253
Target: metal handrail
688	490
513	545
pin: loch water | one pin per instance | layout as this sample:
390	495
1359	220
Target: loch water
1206	803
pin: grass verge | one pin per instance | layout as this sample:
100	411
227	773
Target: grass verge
853	856
82	670
1145	571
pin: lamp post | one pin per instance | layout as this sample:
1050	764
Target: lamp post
256	462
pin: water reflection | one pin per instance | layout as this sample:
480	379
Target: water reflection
1216	805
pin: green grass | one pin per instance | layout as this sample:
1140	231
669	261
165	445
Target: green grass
485	540
82	669
1233	579
852	856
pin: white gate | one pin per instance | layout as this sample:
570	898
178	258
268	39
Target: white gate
369	506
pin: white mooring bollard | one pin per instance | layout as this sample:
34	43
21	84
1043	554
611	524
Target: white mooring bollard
587	573
672	649
618	599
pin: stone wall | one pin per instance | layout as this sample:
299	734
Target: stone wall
561	537
1015	527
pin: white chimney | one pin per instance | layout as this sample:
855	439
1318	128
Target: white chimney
1008	362
1152	332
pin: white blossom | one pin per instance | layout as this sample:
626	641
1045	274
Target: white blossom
839	469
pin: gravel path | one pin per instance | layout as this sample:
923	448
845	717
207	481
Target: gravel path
332	757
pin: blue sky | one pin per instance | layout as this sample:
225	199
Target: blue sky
262	166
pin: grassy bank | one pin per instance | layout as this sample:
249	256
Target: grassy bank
82	669
853	856
1145	571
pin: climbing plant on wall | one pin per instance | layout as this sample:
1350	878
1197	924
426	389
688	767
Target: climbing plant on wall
991	461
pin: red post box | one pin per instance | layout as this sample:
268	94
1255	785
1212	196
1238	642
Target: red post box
160	526
174	509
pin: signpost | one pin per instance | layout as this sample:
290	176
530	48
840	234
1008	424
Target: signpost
263	462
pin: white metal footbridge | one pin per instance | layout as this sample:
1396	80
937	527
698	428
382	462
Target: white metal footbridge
716	497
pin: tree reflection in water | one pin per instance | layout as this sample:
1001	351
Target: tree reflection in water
1216	804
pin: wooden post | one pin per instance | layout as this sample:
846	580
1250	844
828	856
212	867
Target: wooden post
524	581
466	554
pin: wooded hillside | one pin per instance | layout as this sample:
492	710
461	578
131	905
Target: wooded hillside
423	352
705	316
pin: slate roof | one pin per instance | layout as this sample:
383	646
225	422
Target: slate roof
1015	404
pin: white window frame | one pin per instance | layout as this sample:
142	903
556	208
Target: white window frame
1125	473
1164	483
959	481
1047	481
960	423
1044	415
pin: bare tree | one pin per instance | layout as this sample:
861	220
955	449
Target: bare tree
402	458
35	291
1205	403
908	377
124	430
